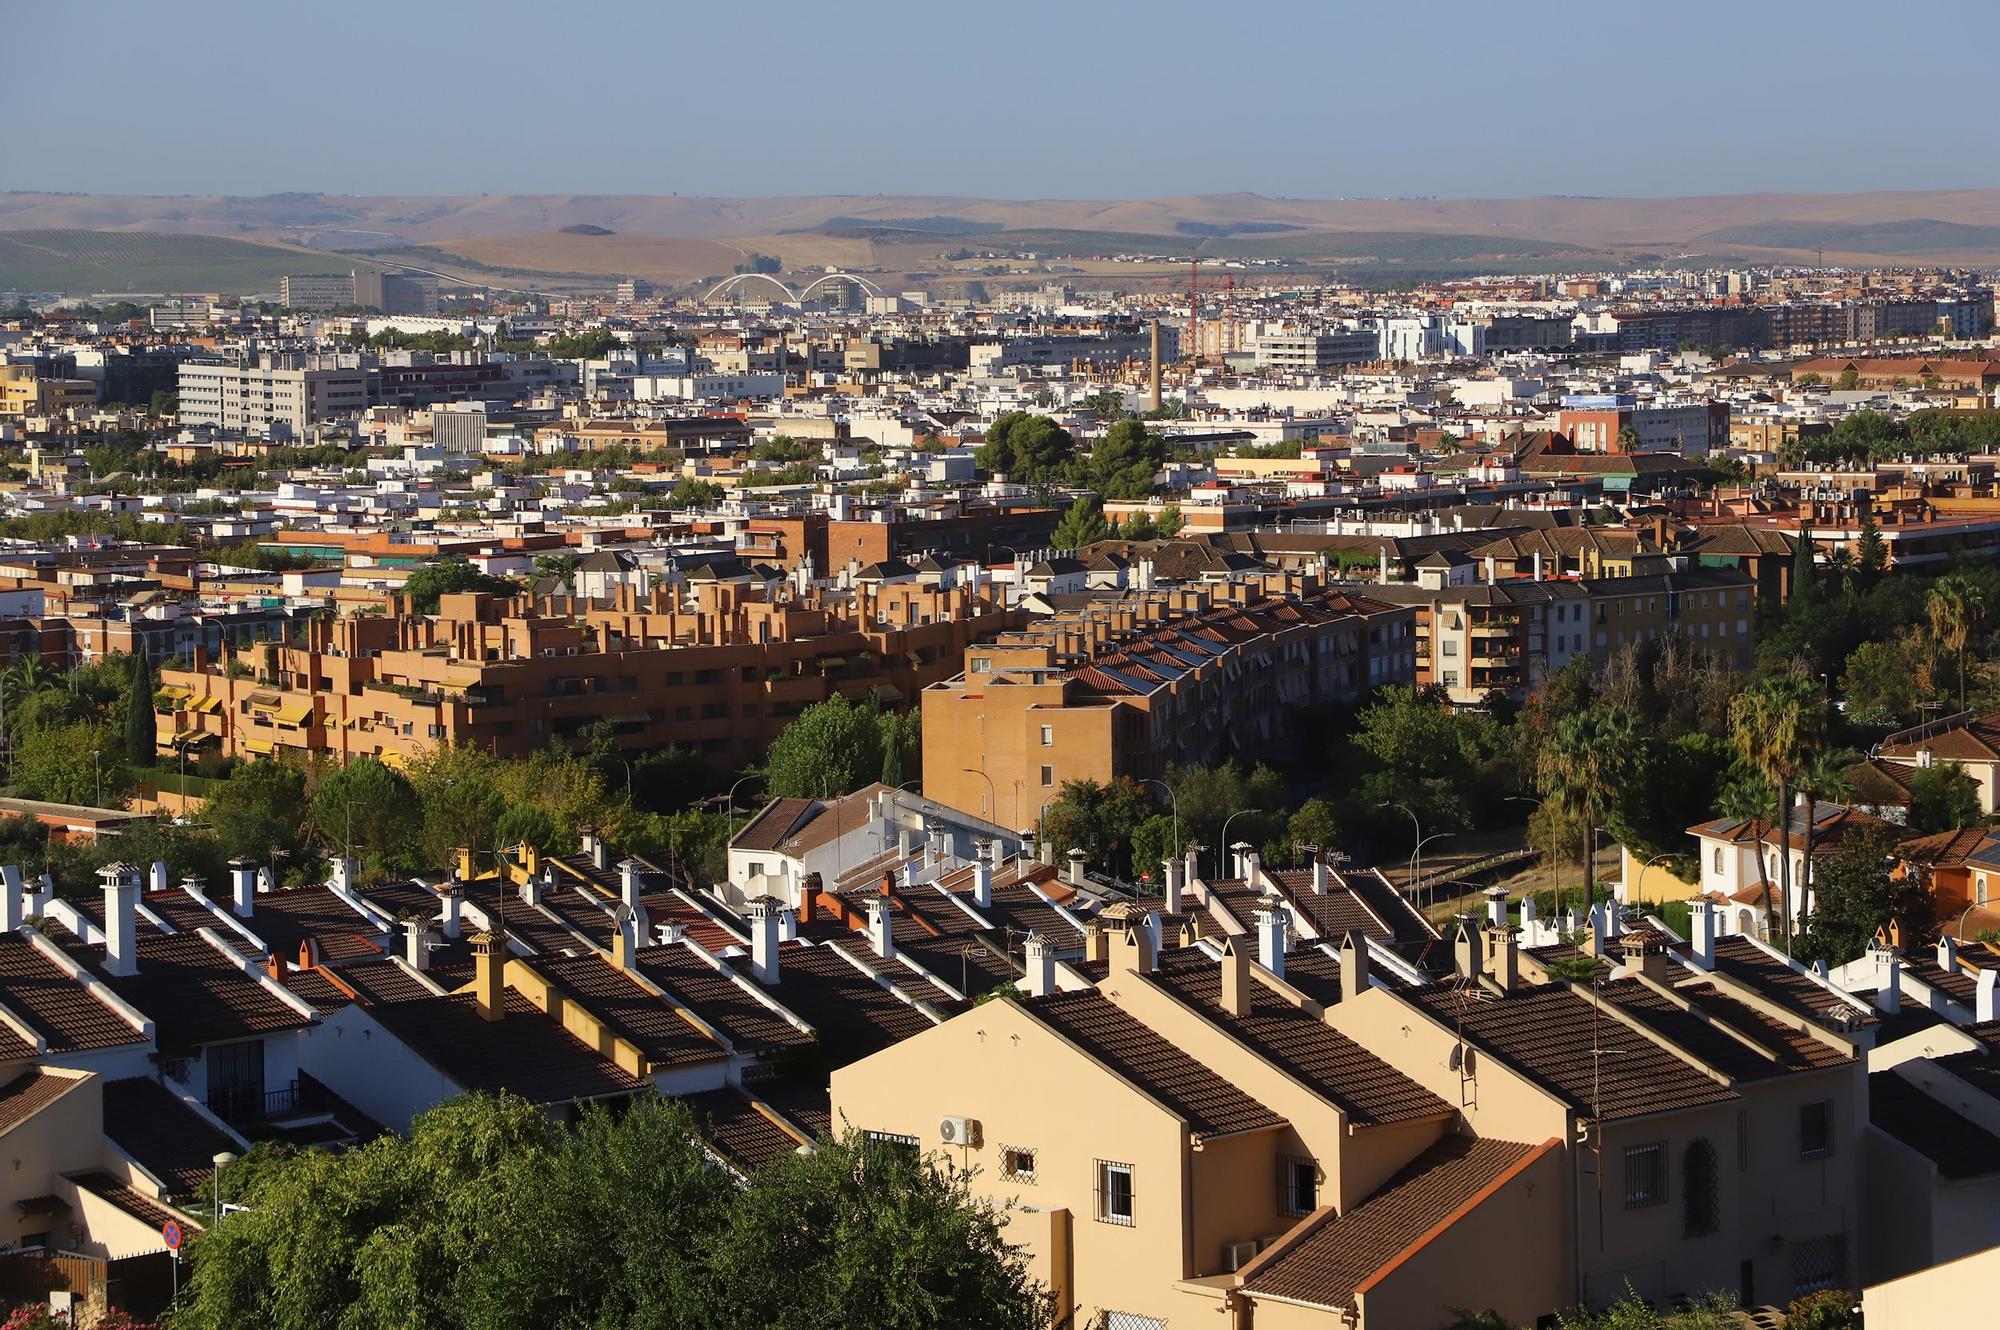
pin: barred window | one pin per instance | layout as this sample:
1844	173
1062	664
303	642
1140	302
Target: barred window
1698	1190
1298	1184
1819	1264
1645	1175
1114	1192
889	1140
1018	1162
1816	1129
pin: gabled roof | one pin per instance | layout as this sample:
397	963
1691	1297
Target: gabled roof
525	1053
1973	740
1331	1255
664	1036
1958	1146
1208	1104
169	1139
56	1007
30	1092
195	995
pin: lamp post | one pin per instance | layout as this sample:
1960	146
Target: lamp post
97	775
1222	848
992	799
221	1159
277	857
1416	862
730	814
1174	800
1639	887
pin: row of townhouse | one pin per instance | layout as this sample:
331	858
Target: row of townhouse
1133	685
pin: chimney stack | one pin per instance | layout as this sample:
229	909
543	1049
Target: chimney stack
1170	886
1504	956
1322	876
1191	866
243	888
629	885
1041	966
532	887
882	927
1496	906
1947	954
1076	876
489	975
448	894
121	924
340	875
626	937
12	903
1984	1008
1600	930
1701	924
1644	955
1272	923
594	846
1236	978
1888	979
1353	965
417	944
982	884
762	915
1465	952
156	877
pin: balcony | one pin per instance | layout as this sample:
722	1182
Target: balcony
241	1105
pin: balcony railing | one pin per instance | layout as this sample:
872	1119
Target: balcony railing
238	1104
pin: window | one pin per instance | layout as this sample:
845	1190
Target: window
1819	1264
1048	777
1114	1192
889	1140
1816	1129
1742	1141
1298	1185
982	665
1048	736
1698	1188
1979	891
1450	647
1718	858
1018	1163
1645	1175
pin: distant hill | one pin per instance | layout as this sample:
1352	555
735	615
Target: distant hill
1905	236
79	262
944	226
586	229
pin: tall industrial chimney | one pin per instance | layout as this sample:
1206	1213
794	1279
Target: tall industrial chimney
1153	378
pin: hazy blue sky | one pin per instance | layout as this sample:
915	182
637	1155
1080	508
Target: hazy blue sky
1006	98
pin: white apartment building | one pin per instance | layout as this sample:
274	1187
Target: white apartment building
280	395
1316	350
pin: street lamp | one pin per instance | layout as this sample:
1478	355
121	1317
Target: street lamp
1222	848
992	799
97	774
221	1159
1639	887
1417	861
731	805
1173	799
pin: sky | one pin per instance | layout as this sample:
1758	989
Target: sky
1012	99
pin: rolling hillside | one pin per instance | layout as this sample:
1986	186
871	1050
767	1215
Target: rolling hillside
78	262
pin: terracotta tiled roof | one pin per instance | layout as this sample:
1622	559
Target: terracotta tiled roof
1549	1032
1945	849
55	1006
196	996
1302	1045
1740	959
776	824
1704	1031
134	1203
855	1015
1330	1255
1960	1147
169	1139
731	1123
663	1035
717	997
31	1092
1207	1103
1976	740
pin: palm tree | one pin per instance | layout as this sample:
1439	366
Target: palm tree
1954	608
1582	762
1778	723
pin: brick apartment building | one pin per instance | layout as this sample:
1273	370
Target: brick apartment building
1130	688
720	679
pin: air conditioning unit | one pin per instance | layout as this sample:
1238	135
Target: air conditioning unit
959	1131
1239	1254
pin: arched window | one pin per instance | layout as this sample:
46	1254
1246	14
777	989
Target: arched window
1698	1201
1718	858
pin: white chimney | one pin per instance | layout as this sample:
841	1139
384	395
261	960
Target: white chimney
628	882
1322	877
44	892
243	888
121	910
1701	923
1528	912
881	927
1271	925
341	875
11	899
762	915
156	876
599	852
1947	954
1538	565
1353	965
999	854
264	882
1170	886
1252	861
1076	876
631	929
1382	565
788	925
1191	866
1496	906
417	944
1888	980
1925	757
1492	571
982	884
1984	1008
1041	966
532	887
1600	930
448	893
1238	869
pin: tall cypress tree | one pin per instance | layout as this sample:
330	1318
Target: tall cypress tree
141	734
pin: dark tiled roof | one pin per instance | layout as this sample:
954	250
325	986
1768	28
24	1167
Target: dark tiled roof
525	1053
136	1204
170	1140
1704	1031
316	989
385	980
1210	1105
1330	1255
30	1093
716	997
1303	1046
1958	1146
776	824
1549	1033
55	1006
1740	959
805	1104
855	1015
732	1124
1978	1070
196	996
601	988
284	919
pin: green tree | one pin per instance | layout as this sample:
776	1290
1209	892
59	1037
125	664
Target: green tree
829	749
1082	525
1954	609
1884	680
450	575
1169	522
82	762
1314	823
1425	756
1027	448
1714	1311
261	807
368	810
1101	819
457	789
1583	765
1871	552
142	738
1777	725
1944	798
1124	462
1854	892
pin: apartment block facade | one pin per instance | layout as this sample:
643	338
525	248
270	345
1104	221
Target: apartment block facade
283	392
1130	688
720	678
